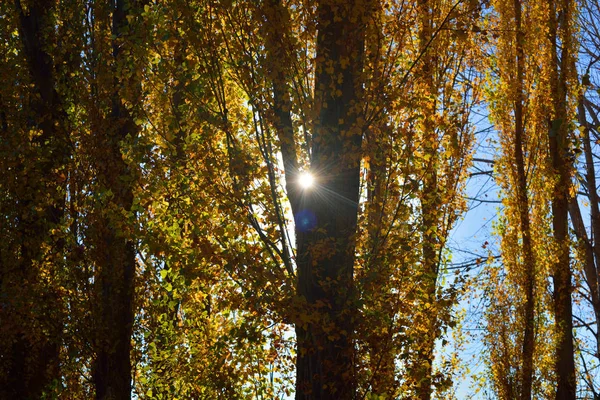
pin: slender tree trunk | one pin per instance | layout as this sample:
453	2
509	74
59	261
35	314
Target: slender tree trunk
326	225
431	210
591	247
380	344
115	252
565	364
559	149
526	377
279	48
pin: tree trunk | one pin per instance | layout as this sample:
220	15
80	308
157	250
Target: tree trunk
422	368
381	351
559	150
33	363
526	377
115	252
591	247
326	223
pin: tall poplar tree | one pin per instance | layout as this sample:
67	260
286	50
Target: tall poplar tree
115	96
560	27
326	224
518	107
586	222
32	314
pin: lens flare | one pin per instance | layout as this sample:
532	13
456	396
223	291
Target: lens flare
306	180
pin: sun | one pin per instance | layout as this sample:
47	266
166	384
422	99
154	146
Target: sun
306	180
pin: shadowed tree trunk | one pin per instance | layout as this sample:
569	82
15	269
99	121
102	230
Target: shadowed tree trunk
115	252
327	215
33	362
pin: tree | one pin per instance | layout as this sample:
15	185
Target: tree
514	143
157	242
382	264
585	222
325	251
540	177
519	361
113	253
32	259
559	133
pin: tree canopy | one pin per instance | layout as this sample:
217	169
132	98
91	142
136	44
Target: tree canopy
259	199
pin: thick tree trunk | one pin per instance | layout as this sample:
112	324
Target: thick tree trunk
33	364
326	223
115	252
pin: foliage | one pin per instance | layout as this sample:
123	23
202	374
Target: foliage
154	240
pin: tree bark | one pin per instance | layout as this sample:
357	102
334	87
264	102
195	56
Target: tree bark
526	377
115	251
422	368
559	150
591	248
326	222
33	362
